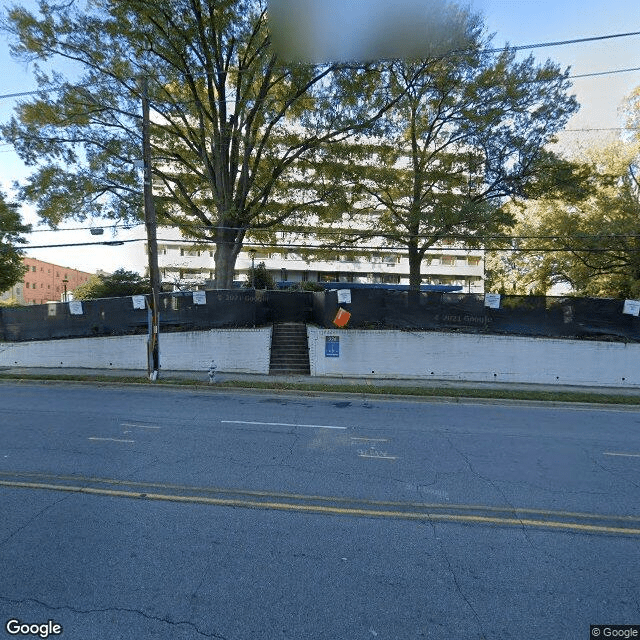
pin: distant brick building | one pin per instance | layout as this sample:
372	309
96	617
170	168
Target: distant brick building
44	282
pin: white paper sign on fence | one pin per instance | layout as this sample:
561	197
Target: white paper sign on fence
344	296
138	302
75	308
632	307
199	297
492	300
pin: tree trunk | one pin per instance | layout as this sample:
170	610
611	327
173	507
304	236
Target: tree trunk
228	245
415	274
415	267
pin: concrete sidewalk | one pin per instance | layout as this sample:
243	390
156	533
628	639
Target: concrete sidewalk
346	382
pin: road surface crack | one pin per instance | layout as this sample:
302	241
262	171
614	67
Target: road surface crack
496	488
33	519
144	614
616	474
456	583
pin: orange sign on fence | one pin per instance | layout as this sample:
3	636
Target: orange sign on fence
342	317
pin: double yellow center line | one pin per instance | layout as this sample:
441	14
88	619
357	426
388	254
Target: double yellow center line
325	505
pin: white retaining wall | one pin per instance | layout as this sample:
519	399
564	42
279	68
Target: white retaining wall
478	358
233	350
364	354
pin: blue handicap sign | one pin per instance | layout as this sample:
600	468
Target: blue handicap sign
332	347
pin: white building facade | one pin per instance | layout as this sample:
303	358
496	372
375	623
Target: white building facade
186	264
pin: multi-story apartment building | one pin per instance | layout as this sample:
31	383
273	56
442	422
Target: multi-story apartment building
44	282
185	264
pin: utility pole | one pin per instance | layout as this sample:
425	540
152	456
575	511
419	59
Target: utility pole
153	351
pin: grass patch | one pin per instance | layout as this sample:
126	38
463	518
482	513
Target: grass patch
364	389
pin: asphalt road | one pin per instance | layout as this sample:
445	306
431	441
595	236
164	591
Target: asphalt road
140	513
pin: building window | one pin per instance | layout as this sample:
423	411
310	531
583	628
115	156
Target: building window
33	269
474	262
448	260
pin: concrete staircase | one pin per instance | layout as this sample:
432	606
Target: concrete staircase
289	349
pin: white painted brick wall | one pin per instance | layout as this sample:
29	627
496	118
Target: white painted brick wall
233	350
479	358
375	354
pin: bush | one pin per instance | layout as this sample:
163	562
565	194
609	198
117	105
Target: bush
10	302
260	278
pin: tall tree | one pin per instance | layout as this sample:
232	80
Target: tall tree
468	133
591	244
11	229
232	125
113	285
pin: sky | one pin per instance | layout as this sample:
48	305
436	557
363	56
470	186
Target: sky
517	22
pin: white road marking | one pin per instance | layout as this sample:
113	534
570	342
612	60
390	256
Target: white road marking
112	439
625	455
378	456
371	439
282	424
137	426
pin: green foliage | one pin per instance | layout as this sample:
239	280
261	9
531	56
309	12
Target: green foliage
260	278
467	133
310	286
12	268
118	284
234	131
10	302
591	244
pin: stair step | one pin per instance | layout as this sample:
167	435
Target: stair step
289	349
286	351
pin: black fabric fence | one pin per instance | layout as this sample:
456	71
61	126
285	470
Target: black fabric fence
287	306
119	316
553	317
567	317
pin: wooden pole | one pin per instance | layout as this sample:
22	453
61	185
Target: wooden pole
153	350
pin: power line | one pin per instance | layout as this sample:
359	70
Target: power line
356	248
571	77
111	243
524	47
598	129
23	93
604	73
559	43
95	226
